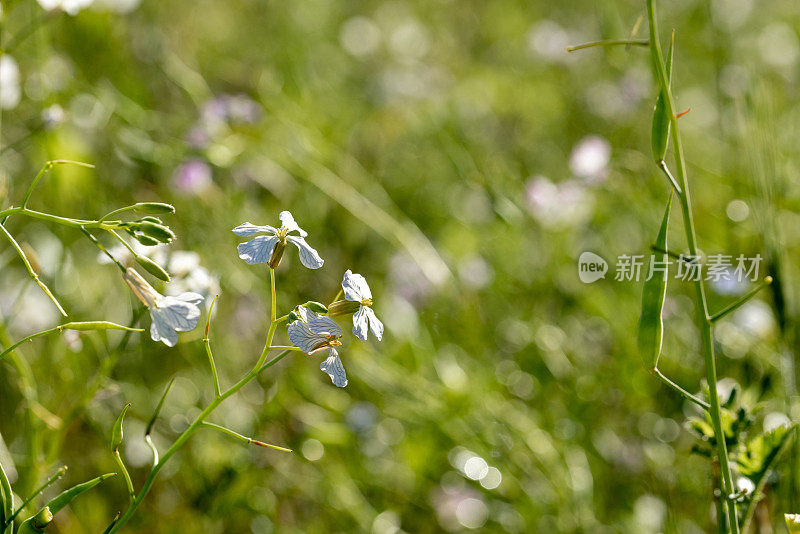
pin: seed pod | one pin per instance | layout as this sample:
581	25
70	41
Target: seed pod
116	433
651	327
67	496
153	208
277	254
153	268
315	306
661	119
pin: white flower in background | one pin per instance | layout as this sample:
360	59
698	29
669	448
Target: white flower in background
357	290
558	205
170	315
590	158
313	333
71	7
269	248
10	92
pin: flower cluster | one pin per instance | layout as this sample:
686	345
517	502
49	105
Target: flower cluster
312	330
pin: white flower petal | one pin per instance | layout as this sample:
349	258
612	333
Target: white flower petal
257	250
161	331
360	323
191	297
321	324
333	368
302	336
355	287
287	221
179	314
308	256
247	229
374	323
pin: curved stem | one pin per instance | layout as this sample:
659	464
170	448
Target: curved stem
609	42
704	322
31	272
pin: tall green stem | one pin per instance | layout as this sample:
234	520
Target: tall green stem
704	321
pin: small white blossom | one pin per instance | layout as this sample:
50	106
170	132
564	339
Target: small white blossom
313	333
260	249
356	289
170	315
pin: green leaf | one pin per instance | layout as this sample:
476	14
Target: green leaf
756	461
67	496
659	138
158	409
42	519
651	327
759	453
116	432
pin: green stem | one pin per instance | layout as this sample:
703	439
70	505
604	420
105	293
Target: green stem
64	221
700	402
115	212
609	42
99	245
207	411
207	343
243	439
274	309
735	305
704	322
31	272
128	481
8	501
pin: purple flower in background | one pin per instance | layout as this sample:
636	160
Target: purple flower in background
193	177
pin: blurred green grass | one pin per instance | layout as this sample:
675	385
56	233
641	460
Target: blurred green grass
407	138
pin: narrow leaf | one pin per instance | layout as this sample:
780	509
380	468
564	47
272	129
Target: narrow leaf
67	496
158	409
651	327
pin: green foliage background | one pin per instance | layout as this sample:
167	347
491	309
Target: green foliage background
404	136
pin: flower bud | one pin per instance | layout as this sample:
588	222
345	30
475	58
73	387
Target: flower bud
159	232
153	208
153	268
141	288
143	239
155	220
43	518
343	307
315	306
277	254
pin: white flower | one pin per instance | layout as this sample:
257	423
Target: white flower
170	315
356	289
313	333
72	7
269	248
10	92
